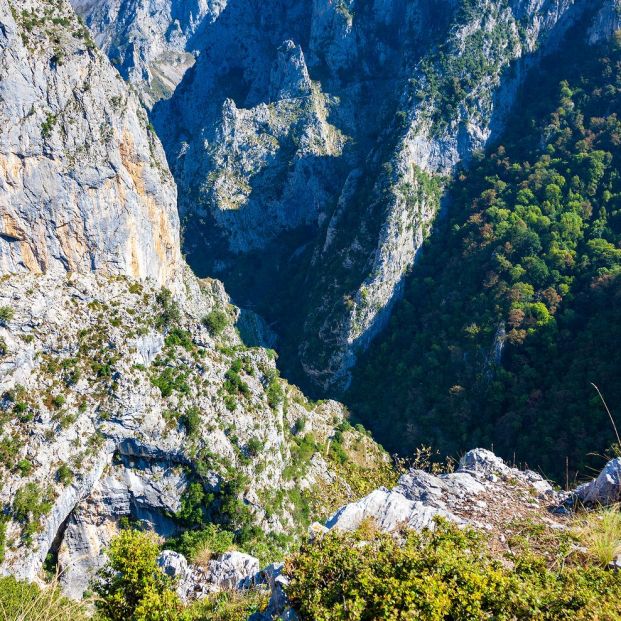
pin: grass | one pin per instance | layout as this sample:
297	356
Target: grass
25	601
600	533
229	605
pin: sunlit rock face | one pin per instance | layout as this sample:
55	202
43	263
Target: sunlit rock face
84	184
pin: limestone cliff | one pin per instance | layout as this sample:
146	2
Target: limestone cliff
84	184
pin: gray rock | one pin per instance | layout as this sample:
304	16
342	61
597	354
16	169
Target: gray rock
605	489
438	491
482	462
176	566
233	570
389	510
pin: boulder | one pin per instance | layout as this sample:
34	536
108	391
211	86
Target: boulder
233	570
390	510
605	489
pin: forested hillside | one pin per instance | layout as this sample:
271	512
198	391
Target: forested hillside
513	308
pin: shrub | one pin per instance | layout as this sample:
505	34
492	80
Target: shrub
191	420
171	380
31	502
181	338
131	586
447	573
170	314
216	322
24	467
64	474
2	537
58	401
275	394
197	545
6	314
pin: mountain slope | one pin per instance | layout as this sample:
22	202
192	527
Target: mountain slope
512	312
311	142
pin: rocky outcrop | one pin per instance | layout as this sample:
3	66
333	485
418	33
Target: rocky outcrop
84	184
607	22
605	489
229	571
483	492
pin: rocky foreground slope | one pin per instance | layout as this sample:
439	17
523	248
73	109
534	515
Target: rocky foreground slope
317	136
122	398
483	492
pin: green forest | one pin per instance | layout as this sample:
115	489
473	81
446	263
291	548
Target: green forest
512	309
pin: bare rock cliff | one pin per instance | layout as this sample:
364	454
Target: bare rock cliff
84	184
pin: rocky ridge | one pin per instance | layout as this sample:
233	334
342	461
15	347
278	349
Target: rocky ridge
483	492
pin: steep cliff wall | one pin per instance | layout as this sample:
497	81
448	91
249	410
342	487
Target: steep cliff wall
84	184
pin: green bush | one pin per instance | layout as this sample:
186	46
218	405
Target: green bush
64	474
179	338
131	586
2	538
171	380
170	314
275	394
209	536
191	420
6	314
445	574
216	322
31	502
25	467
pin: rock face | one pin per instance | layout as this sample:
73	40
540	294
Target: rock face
84	184
151	41
311	141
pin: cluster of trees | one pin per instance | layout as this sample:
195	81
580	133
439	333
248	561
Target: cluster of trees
513	309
